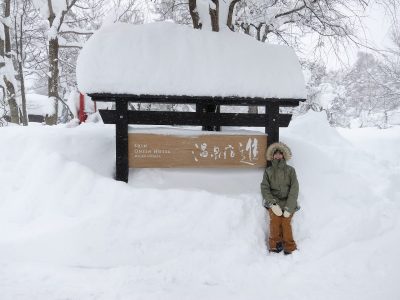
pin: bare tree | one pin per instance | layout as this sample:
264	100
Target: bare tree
54	12
3	106
45	39
6	64
282	21
20	9
68	29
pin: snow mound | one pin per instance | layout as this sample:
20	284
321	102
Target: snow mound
313	127
169	59
68	230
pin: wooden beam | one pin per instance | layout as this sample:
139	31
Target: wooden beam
121	140
239	101
196	118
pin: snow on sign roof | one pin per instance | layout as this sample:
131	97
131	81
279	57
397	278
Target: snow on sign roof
169	59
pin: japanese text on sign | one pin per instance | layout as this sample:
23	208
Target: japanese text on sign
248	153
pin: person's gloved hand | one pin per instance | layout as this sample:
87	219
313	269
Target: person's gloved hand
286	214
276	210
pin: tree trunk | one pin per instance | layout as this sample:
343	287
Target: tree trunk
12	102
53	80
6	54
53	70
214	13
24	114
194	14
19	43
230	14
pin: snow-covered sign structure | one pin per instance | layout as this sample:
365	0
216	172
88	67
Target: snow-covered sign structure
169	63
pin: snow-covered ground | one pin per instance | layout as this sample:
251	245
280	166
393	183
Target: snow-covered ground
69	231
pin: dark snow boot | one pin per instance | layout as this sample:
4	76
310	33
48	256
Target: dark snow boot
278	249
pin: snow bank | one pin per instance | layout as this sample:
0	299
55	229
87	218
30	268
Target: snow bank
168	59
69	231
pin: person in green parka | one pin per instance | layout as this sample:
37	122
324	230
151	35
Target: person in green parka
280	190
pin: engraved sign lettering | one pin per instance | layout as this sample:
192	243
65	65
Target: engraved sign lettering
164	151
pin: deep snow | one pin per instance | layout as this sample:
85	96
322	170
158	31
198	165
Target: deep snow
164	58
69	231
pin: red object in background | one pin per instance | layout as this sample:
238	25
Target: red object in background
85	109
82	114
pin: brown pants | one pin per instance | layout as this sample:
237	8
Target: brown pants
280	231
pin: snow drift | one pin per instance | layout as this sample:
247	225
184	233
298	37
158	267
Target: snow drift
69	231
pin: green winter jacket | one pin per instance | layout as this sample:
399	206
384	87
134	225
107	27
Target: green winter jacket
280	186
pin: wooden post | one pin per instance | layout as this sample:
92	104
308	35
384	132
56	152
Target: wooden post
207	115
199	111
272	122
209	108
218	111
121	140
272	128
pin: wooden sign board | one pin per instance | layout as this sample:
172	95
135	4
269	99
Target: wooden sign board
211	151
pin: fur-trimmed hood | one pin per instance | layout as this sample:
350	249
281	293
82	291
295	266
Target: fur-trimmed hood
287	153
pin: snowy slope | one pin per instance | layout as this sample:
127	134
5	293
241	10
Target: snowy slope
69	231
